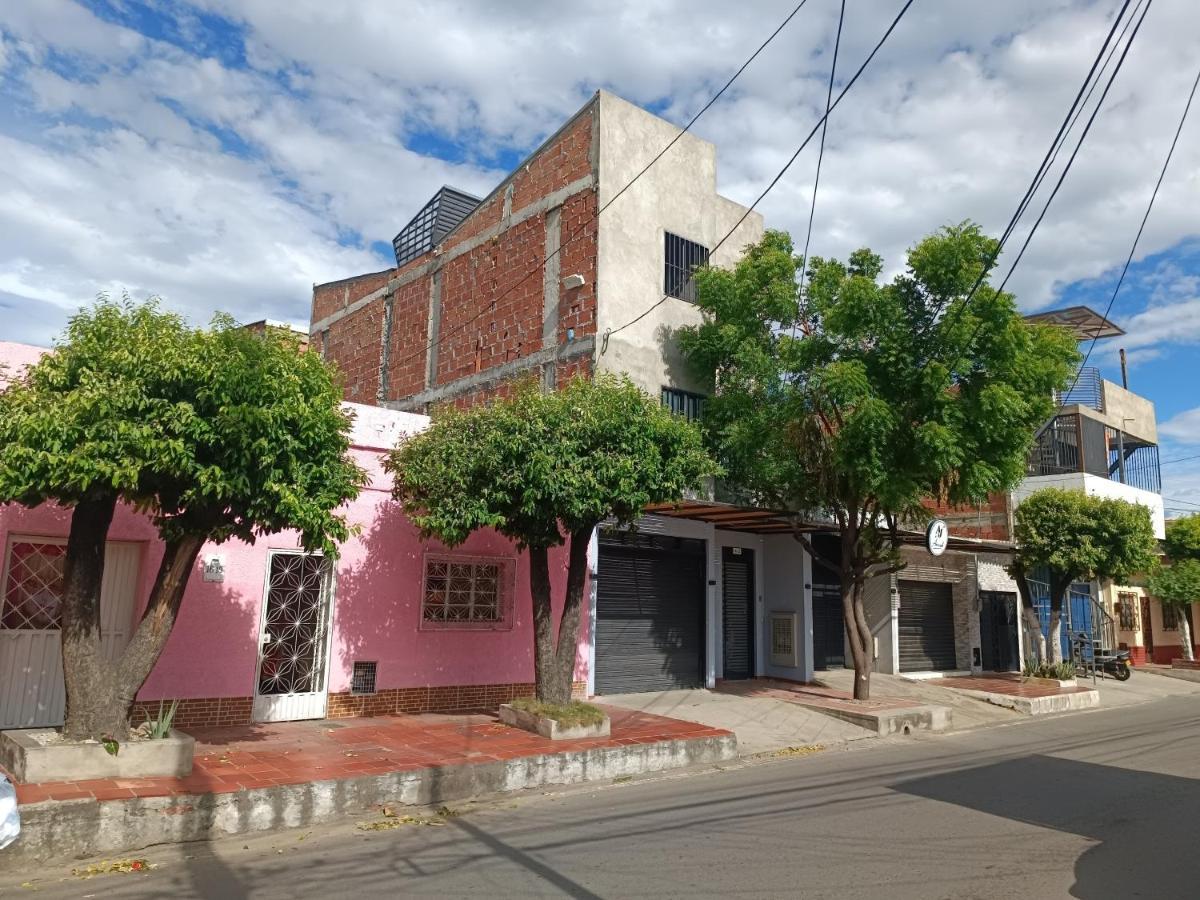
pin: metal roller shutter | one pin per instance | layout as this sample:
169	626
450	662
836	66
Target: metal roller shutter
829	627
926	626
737	602
649	614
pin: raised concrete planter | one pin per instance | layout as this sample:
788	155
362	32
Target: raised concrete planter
31	760
1185	664
550	728
1051	682
1040	706
884	722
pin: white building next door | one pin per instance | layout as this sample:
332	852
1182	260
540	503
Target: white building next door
31	676
294	638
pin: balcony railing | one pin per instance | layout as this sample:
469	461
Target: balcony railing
1087	390
1074	443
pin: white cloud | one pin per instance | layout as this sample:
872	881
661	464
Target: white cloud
1183	427
949	123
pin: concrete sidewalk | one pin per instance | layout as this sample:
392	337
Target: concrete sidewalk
966	712
762	724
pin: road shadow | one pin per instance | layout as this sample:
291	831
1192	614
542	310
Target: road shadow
1144	823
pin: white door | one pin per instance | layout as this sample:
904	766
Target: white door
31	676
294	638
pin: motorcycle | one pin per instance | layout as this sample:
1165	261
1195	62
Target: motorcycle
1110	662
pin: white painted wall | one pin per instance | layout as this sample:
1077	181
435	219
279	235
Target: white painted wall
786	588
1098	487
677	194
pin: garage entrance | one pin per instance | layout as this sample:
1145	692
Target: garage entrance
650	596
926	626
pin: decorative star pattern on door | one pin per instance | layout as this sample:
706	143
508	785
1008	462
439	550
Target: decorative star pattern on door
294	626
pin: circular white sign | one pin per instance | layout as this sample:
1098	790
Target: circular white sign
937	537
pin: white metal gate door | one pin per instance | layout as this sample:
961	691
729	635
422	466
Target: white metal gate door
31	676
294	638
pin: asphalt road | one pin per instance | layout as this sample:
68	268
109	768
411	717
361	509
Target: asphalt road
1095	805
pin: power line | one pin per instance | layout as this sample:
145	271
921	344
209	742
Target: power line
812	213
1077	106
1149	206
774	181
1167	462
1078	144
578	232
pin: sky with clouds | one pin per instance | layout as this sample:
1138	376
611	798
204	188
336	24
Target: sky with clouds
227	154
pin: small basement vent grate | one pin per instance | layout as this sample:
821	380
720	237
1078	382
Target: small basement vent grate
783	639
363	680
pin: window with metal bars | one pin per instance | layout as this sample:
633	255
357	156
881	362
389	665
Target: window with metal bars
465	592
683	403
33	585
1127	610
1170	617
363	679
682	257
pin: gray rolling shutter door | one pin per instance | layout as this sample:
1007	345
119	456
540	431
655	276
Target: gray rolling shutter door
829	626
650	615
926	626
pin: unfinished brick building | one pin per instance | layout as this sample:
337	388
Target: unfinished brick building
472	306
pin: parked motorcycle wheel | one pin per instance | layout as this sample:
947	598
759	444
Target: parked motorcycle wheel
1122	672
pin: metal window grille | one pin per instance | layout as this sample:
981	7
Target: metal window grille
33	590
1127	611
437	218
1087	390
1170	617
363	679
682	258
783	639
462	591
683	403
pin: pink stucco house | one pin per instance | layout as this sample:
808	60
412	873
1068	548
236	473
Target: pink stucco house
267	633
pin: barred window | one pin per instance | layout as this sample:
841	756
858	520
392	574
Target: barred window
1170	617
1127	610
464	591
683	403
682	258
33	585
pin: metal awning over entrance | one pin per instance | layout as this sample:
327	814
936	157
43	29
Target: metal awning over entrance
755	520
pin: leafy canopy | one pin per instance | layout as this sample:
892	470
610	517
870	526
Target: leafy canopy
1177	584
1078	536
1183	538
869	396
220	431
539	463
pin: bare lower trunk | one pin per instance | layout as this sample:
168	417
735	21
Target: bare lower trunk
554	656
1055	638
857	630
1033	627
1185	634
89	701
101	707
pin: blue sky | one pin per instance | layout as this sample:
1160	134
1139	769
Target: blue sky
227	154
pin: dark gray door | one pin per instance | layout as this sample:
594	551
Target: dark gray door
998	630
829	627
737	592
649	614
926	626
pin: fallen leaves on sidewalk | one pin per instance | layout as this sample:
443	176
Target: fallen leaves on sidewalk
392	819
805	750
107	867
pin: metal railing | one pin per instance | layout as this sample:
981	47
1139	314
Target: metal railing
1087	390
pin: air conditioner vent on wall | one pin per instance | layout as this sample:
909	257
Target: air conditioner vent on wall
363	679
783	639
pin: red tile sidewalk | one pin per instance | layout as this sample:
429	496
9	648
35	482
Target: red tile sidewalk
1011	684
812	695
257	756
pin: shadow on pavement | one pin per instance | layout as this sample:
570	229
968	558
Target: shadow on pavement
1145	823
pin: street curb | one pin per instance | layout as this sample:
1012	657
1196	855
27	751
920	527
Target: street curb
62	828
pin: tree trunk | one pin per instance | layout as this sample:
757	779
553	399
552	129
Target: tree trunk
1055	638
88	706
543	624
150	638
572	614
1185	633
1033	627
857	630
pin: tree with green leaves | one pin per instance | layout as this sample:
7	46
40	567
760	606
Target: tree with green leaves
853	399
214	433
1177	582
545	469
1074	536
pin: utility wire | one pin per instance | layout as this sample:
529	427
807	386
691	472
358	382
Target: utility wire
774	181
812	213
578	232
1167	462
1077	106
1149	206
